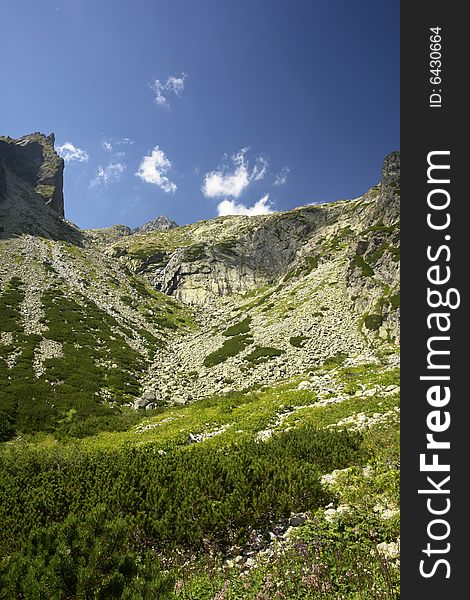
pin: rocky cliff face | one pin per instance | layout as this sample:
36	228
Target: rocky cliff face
33	160
26	202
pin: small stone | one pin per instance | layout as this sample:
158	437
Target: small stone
298	520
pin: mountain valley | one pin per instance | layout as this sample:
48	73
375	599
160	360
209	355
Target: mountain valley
254	358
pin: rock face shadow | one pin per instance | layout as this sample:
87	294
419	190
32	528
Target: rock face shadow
31	190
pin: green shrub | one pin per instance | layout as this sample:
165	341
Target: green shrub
91	556
298	341
334	361
395	301
261	354
189	495
366	269
238	328
231	347
195	252
94	357
10	301
373	322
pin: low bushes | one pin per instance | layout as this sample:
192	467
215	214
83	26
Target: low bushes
181	498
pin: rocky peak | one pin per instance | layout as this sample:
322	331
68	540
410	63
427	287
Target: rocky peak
33	159
157	224
388	204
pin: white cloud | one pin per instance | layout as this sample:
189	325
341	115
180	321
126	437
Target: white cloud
173	85
153	169
230	207
223	182
281	177
109	145
112	173
71	153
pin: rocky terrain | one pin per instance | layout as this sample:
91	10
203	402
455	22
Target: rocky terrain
210	307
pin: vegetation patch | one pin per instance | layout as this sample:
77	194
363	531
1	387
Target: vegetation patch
227	245
179	499
334	361
238	328
366	269
231	347
395	301
10	301
380	227
298	341
373	321
195	252
338	240
97	372
262	354
46	191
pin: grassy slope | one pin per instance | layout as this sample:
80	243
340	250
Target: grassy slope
93	336
237	419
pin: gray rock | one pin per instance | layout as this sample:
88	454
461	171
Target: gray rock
297	520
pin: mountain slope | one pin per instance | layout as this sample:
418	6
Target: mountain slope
93	320
77	334
274	295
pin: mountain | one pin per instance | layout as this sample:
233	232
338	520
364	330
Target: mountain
98	319
200	410
156	225
293	288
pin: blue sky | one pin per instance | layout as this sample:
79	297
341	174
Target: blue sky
196	108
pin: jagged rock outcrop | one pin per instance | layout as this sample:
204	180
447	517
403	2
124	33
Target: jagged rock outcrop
32	159
257	257
387	208
237	254
374	268
108	235
157	224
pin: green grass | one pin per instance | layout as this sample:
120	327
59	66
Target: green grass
360	262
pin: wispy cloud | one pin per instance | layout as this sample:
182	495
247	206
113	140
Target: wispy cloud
224	182
230	207
153	169
111	144
281	177
162	89
71	153
112	173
